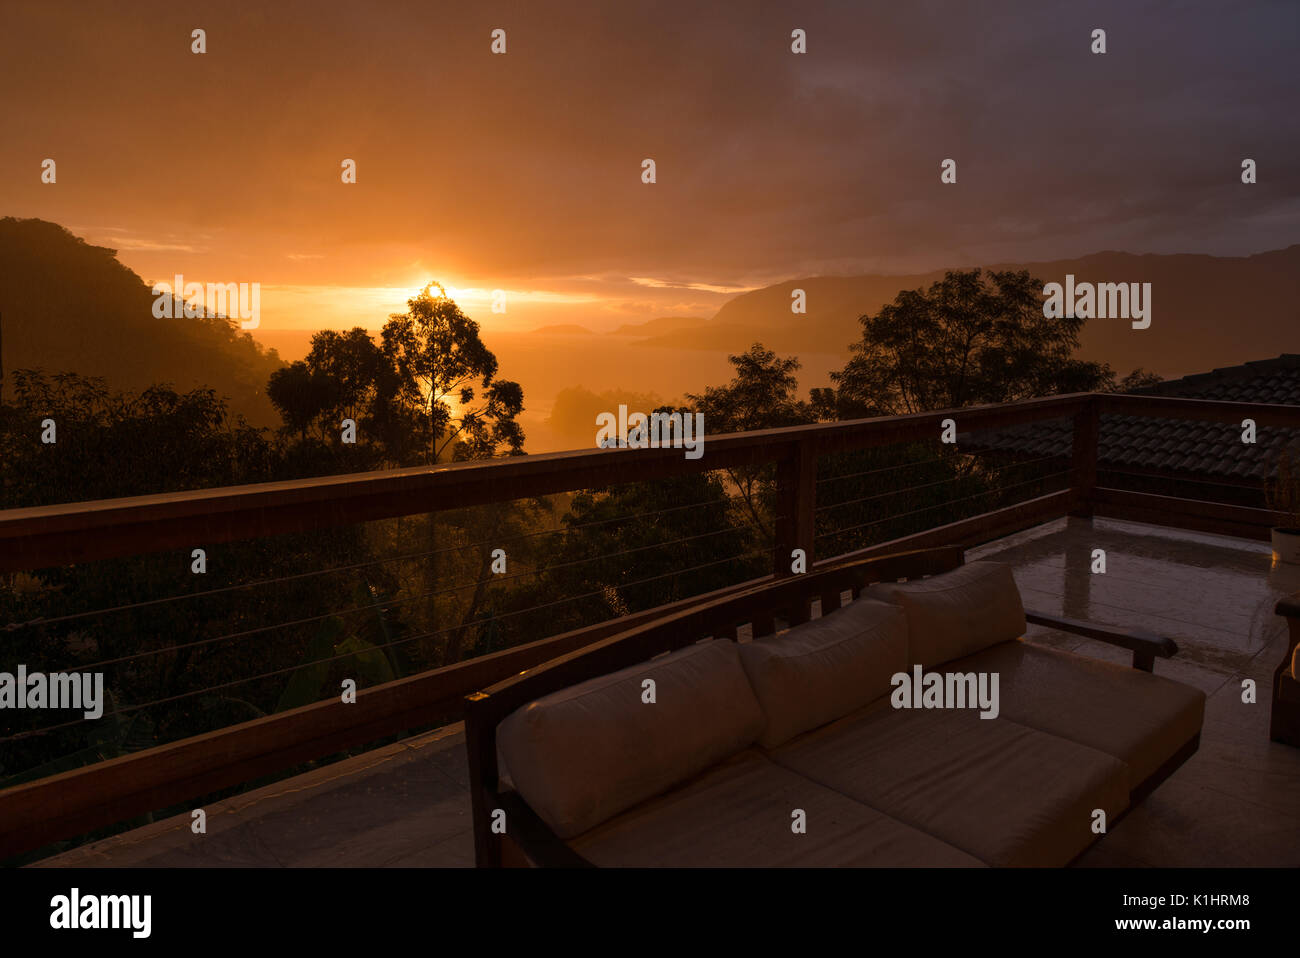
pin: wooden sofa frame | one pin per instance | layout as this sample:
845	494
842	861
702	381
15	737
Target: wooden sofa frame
787	600
1284	715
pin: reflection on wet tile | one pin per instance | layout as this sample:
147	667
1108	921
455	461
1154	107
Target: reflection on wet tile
1226	712
1211	590
1185	824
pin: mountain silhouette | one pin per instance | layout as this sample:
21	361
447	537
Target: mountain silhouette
68	306
1208	311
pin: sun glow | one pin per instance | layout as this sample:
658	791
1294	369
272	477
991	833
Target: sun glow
459	294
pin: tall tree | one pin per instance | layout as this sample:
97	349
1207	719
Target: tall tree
971	338
442	363
352	362
301	395
761	395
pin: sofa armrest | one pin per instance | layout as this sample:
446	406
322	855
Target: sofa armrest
524	827
1145	646
534	838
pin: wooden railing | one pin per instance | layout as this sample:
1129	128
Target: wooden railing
74	802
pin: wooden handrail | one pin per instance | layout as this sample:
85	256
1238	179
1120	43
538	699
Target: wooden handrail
45	536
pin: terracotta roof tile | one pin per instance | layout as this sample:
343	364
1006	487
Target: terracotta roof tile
1180	446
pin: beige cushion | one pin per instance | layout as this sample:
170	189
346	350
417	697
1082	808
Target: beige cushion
582	755
1140	718
1005	793
826	668
738	814
957	613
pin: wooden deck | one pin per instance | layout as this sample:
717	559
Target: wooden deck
1233	803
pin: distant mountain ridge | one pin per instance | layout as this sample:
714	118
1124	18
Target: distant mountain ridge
659	326
1207	310
563	329
68	306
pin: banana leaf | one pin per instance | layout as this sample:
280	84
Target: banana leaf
304	685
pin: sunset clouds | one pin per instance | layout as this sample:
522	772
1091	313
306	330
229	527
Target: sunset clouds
522	171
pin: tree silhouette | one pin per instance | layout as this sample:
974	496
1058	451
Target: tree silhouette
967	340
301	395
762	395
442	365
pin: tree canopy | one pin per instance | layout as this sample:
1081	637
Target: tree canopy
971	338
425	392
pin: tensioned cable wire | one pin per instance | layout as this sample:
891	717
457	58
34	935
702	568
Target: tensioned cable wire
940	505
410	638
14	626
197	643
957	453
728	500
927	485
873	472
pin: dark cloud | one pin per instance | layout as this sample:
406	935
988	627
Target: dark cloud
770	165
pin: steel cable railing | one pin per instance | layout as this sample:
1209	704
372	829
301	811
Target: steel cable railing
928	485
391	644
369	607
277	580
997	491
387	604
683	548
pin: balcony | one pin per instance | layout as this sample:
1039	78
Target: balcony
1195	570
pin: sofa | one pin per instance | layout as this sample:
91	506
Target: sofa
909	724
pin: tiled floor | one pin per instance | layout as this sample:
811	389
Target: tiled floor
1236	802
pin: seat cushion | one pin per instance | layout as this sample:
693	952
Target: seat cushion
824	669
1139	718
957	613
1005	793
582	755
739	813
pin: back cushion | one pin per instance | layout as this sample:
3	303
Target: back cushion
957	613
826	668
582	755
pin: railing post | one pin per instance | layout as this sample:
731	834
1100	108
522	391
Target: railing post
796	500
1083	457
480	750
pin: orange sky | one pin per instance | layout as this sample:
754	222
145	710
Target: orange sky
522	172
